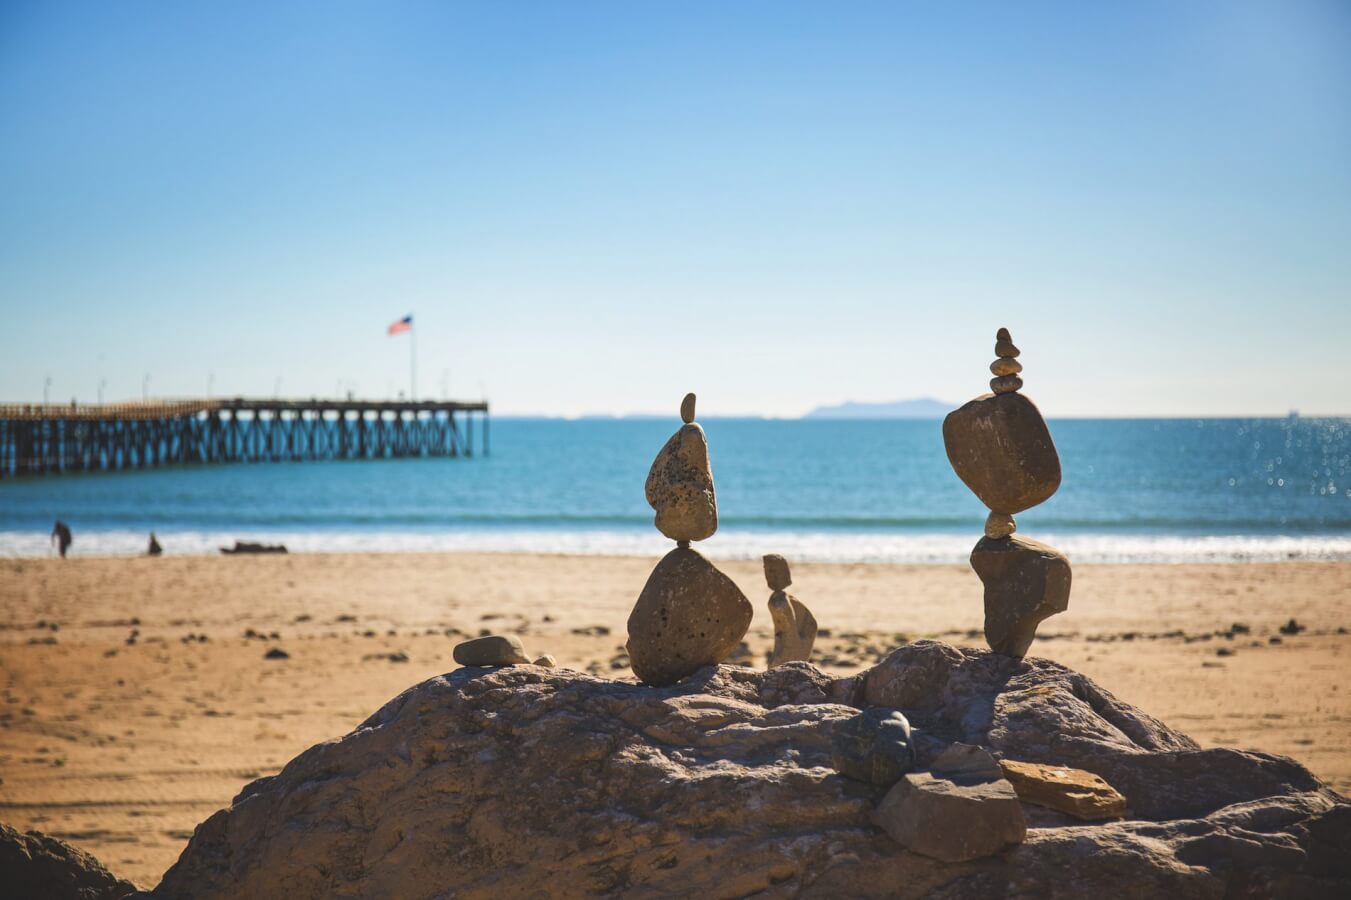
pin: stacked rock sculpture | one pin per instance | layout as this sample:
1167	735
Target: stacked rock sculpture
794	624
689	614
1000	447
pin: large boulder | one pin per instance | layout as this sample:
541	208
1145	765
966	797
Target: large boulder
533	782
36	866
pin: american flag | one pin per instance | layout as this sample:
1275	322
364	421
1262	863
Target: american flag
404	324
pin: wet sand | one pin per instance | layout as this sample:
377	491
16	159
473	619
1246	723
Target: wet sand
138	698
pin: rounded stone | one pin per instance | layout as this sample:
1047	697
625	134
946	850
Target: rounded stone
689	615
776	572
1000	447
680	487
1026	582
873	746
1003	345
491	650
999	525
1006	385
1002	367
687	409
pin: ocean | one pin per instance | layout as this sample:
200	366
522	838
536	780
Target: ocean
1140	490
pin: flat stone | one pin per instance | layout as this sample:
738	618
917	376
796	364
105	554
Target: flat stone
1072	791
952	819
874	746
1025	582
689	615
1003	367
680	487
547	661
999	525
967	761
794	629
999	446
491	650
777	574
1006	385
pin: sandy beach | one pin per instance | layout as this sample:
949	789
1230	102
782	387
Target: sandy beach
138	696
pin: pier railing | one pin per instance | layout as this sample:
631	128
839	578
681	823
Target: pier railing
38	439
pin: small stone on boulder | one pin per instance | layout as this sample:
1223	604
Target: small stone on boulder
1025	582
777	574
1006	384
999	446
1002	367
687	409
689	615
491	650
1072	791
680	487
999	525
874	746
794	629
953	816
547	661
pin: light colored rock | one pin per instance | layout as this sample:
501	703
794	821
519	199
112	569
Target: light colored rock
689	615
999	446
999	525
967	761
955	818
680	487
1026	582
794	629
491	650
1006	385
777	574
687	409
1002	367
874	746
1072	791
723	786
547	660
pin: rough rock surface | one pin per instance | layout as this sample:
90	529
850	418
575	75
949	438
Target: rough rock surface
689	615
777	574
1076	792
999	446
1026	582
874	746
38	866
680	487
531	782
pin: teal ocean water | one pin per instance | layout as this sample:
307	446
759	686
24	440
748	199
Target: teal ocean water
1133	490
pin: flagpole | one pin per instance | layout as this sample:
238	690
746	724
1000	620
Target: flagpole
412	360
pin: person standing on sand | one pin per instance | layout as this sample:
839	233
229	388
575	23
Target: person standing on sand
154	549
61	534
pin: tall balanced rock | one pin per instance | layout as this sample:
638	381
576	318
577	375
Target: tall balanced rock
689	614
794	624
1001	449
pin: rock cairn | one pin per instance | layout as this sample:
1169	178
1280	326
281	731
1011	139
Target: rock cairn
794	624
689	614
1000	447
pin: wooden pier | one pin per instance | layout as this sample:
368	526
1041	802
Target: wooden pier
37	439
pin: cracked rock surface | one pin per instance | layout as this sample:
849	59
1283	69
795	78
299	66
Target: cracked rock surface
534	782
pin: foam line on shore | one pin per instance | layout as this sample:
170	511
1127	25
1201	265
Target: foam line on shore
872	547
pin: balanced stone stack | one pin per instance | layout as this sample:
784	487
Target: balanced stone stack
1000	447
794	624
689	614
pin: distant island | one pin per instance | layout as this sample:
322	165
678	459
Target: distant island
922	408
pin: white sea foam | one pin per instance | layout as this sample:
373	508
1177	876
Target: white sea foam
843	547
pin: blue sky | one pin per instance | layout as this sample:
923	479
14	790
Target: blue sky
598	206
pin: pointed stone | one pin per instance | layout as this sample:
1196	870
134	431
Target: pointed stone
1026	582
680	487
999	446
794	629
689	615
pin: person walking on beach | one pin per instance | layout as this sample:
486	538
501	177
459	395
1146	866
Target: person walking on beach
61	534
154	549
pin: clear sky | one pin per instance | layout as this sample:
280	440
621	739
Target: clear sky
594	207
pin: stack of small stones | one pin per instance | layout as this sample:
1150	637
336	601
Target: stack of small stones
689	615
794	624
1001	449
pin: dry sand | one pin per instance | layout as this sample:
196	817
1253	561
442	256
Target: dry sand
122	748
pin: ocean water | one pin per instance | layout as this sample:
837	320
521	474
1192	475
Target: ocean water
1133	491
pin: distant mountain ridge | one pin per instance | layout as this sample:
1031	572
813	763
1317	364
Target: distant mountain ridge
921	408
